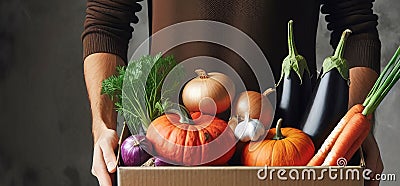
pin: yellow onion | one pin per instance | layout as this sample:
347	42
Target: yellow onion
208	93
256	105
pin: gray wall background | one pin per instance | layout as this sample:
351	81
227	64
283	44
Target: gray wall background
45	134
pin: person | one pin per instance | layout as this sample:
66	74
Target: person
107	31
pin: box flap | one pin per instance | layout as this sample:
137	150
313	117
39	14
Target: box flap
124	135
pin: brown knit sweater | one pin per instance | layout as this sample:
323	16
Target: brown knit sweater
107	28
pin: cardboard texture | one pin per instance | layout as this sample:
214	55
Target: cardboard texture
238	175
219	176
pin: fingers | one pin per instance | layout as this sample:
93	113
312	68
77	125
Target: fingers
104	159
110	159
99	167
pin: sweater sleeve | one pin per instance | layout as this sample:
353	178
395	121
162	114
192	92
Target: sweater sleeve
107	26
363	45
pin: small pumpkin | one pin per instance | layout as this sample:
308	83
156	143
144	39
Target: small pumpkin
179	140
209	93
281	147
256	105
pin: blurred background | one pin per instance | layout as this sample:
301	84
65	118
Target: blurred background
45	134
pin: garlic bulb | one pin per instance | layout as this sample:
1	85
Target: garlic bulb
249	130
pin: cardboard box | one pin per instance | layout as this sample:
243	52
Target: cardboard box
239	175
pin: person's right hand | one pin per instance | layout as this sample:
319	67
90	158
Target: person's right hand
97	67
104	159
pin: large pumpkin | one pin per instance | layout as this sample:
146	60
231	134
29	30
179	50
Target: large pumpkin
281	147
206	140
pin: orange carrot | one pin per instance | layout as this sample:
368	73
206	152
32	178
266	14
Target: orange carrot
357	144
354	129
319	158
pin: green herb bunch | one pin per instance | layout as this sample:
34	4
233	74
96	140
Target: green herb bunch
112	87
136	89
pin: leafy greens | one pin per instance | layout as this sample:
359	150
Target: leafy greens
138	91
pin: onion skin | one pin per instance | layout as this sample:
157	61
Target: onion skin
133	150
208	93
158	162
233	122
256	105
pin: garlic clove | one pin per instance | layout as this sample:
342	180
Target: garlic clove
252	130
241	133
259	130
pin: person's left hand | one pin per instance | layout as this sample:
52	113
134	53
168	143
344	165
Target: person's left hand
373	159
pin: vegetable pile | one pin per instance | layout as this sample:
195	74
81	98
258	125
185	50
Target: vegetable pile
167	133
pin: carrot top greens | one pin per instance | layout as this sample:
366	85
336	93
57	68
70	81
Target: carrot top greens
386	80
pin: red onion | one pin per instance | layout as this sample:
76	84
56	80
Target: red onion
133	150
158	162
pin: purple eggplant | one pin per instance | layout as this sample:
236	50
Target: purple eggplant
294	86
329	100
134	150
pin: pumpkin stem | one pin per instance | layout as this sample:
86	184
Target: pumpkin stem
268	91
184	117
201	73
278	134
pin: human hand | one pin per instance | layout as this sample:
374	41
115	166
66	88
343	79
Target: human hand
373	159
104	159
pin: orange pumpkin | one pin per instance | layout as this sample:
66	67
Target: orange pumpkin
281	147
206	140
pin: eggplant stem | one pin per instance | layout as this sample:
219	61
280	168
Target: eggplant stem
278	133
291	43
268	91
201	73
337	61
339	52
293	61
